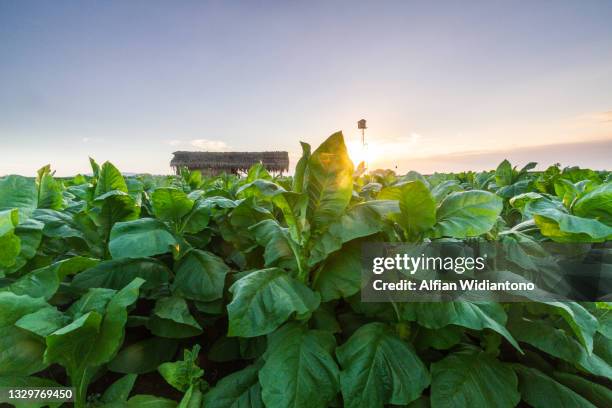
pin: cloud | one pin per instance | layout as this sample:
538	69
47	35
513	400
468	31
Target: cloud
200	144
92	140
206	144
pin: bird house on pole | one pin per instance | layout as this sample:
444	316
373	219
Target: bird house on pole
361	124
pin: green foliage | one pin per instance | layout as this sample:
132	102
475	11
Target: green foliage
257	280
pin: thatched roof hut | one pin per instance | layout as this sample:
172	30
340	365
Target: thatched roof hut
230	162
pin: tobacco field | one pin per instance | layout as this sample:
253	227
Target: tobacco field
194	291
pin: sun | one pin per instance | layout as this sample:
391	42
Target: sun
360	153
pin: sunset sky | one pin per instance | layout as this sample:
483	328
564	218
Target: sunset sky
444	86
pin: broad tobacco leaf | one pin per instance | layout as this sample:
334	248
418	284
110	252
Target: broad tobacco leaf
200	275
171	318
117	273
110	208
18	192
301	168
270	191
239	389
30	234
278	244
265	299
467	214
596	204
417	206
10	244
49	190
21	351
471	378
299	369
43	322
473	315
597	394
563	227
556	342
503	174
171	204
91	340
44	282
330	182
583	324
340	275
109	179
373	374
359	221
539	390
140	238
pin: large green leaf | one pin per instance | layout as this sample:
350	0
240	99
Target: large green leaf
417	206
94	300
280	249
599	395
473	315
58	224
237	390
49	190
171	204
117	273
359	221
110	208
200	275
300	370
330	181
71	345
21	351
340	275
264	299
562	227
140	238
44	282
43	322
288	202
91	340
541	391
18	192
557	343
171	318
10	244
467	214
112	329
301	169
110	179
30	234
503	174
472	379
597	204
583	323
198	218
379	368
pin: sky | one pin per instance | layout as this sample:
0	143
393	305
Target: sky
444	86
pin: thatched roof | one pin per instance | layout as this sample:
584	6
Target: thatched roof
230	162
